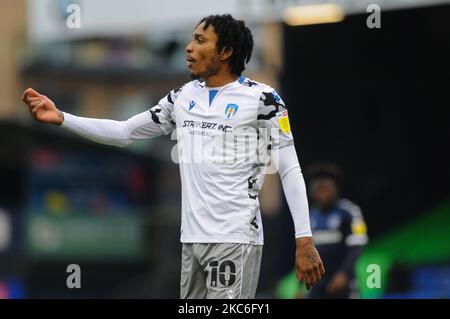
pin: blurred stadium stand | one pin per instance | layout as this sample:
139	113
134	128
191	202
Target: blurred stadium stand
72	201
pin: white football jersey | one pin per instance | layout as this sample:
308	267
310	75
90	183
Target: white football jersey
224	139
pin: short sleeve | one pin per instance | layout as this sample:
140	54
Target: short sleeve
163	113
356	230
273	115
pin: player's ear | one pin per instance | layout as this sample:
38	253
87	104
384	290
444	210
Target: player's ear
226	53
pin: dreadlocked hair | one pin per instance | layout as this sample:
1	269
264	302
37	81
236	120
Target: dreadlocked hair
232	34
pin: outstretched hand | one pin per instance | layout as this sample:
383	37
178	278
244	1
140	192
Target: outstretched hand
41	108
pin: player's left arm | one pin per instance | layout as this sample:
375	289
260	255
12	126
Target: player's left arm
355	237
272	115
309	265
355	234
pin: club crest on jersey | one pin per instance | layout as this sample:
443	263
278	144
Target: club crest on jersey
230	110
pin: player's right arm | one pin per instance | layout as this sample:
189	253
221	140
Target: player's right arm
154	122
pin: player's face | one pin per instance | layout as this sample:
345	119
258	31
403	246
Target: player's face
201	53
323	191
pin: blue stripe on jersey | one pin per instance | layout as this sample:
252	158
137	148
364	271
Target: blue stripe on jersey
212	95
241	79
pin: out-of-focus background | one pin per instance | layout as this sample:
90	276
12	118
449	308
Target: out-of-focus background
373	100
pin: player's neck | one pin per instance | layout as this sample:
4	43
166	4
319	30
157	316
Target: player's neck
221	78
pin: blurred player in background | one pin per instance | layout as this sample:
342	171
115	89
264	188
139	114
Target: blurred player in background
221	227
339	232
